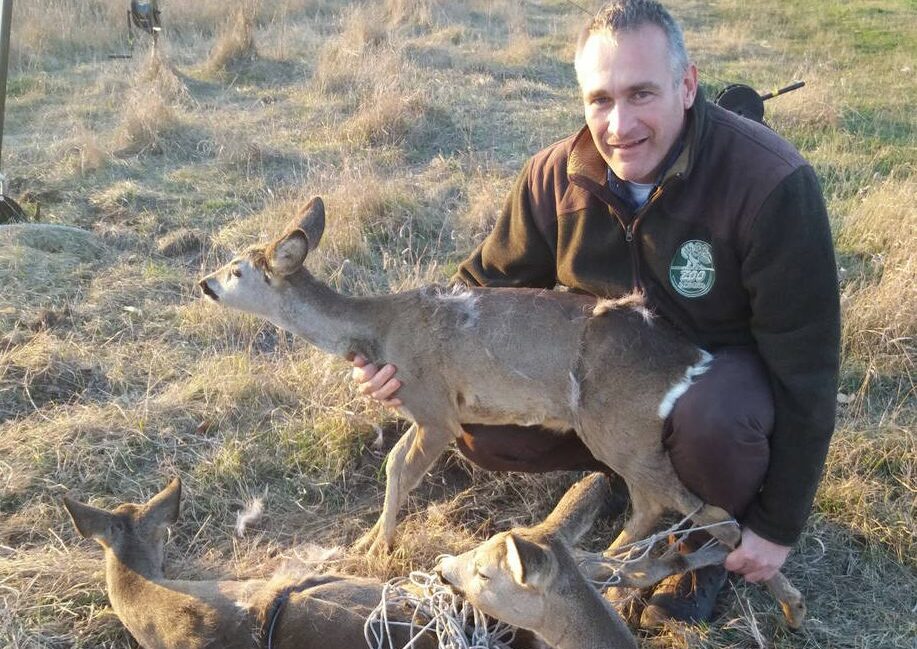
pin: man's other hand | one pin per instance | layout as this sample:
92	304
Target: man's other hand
380	384
756	559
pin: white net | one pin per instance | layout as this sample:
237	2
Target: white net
433	611
632	553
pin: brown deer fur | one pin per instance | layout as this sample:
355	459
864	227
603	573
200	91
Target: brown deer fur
491	356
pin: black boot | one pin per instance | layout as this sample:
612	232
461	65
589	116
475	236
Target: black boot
688	597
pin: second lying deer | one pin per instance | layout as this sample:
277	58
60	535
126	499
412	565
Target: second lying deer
528	577
312	612
496	356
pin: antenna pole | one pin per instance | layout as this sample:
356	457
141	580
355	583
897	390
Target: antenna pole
6	15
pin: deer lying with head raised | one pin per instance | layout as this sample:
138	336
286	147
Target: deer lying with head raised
528	577
494	356
313	612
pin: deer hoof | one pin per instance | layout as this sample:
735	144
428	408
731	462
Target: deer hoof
372	543
795	612
380	547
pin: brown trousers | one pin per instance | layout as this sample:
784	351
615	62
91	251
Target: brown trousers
717	436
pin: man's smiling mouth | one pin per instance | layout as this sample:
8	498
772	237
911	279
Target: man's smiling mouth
628	145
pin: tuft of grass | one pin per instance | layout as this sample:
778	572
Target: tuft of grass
869	487
88	156
149	123
387	117
236	42
880	312
417	13
47	371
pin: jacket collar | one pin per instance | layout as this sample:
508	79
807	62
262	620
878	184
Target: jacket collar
587	168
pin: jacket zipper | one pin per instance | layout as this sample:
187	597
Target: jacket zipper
631	228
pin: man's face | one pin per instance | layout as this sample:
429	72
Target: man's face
634	107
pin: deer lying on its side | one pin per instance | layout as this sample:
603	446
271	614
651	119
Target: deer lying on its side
528	577
496	356
317	612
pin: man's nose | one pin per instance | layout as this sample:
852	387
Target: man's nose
618	119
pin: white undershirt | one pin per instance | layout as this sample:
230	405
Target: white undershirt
640	192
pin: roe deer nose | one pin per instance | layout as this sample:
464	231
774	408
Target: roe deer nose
205	288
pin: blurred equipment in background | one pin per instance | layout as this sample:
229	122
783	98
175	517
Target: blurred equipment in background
10	211
145	16
745	100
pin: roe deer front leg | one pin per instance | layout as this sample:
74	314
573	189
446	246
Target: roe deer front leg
791	600
407	463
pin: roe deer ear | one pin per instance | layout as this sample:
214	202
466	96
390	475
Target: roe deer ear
528	562
286	255
575	513
310	221
90	522
163	508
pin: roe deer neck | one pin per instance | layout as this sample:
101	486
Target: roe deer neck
335	323
578	618
166	614
137	598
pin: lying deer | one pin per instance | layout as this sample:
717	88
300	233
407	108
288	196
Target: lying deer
496	356
528	577
316	612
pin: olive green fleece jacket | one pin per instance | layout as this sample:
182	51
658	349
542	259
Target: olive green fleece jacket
733	247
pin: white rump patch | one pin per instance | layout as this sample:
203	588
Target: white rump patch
668	401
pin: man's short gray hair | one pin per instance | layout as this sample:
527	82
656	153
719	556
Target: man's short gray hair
627	15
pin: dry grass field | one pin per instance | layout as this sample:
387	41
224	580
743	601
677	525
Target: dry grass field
411	118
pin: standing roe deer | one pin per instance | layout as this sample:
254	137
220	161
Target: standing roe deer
495	356
314	612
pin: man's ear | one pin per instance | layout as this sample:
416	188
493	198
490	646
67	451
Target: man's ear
528	563
689	82
91	522
163	508
286	255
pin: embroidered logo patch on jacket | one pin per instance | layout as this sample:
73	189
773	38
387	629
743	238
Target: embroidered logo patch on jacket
692	272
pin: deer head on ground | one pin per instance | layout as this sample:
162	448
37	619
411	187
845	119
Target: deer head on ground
528	577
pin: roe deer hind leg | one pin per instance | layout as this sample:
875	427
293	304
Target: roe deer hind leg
645	514
650	570
730	534
678	497
407	463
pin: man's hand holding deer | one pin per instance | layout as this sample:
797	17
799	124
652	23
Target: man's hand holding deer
377	383
756	558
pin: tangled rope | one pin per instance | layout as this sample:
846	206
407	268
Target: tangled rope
631	553
434	609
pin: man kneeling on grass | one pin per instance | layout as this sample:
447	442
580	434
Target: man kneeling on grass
722	225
